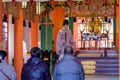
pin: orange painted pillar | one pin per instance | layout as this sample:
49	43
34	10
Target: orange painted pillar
18	44
75	34
58	15
1	17
117	26
34	33
119	34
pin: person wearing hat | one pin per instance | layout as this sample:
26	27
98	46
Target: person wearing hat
35	68
64	38
7	71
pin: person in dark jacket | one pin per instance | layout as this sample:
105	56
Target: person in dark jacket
68	68
35	68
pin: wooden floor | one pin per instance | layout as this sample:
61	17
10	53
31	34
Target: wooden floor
101	77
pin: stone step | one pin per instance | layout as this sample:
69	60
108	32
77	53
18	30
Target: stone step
108	73
107	67
97	65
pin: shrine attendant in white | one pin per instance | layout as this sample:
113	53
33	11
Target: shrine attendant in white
64	38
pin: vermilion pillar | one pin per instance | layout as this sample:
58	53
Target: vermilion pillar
34	33
58	15
18	44
75	34
119	33
1	17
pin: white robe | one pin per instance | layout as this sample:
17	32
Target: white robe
64	38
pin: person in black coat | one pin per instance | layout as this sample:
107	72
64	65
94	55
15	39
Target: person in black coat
35	68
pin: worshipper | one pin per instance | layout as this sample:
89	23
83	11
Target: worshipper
35	68
68	68
7	71
64	38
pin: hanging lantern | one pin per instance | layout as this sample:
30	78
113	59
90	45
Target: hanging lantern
107	25
24	5
13	21
81	27
5	18
81	24
24	23
29	24
38	4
